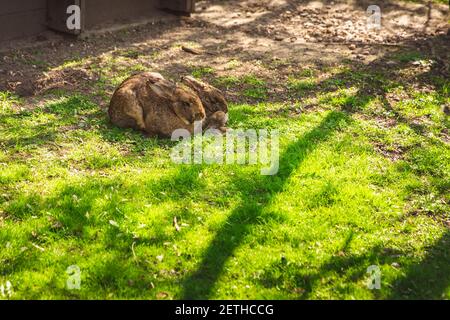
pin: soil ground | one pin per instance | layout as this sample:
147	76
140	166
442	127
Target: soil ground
364	159
271	40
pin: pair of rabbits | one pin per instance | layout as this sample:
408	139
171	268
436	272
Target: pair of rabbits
148	102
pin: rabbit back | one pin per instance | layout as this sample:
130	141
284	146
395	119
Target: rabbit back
149	102
125	109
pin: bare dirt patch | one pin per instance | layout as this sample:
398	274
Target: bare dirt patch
272	40
69	78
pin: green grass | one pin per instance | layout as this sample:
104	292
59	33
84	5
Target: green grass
202	71
74	190
227	81
253	87
256	88
300	85
409	56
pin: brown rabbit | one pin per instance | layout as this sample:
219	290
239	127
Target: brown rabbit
213	101
148	102
218	120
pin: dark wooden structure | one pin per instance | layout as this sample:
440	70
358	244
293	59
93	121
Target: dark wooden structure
23	18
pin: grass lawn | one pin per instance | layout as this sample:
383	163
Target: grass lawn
359	184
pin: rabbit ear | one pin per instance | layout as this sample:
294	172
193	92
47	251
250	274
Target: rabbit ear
163	89
156	75
199	86
193	83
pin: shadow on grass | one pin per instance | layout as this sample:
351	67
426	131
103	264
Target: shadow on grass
302	281
230	236
428	279
199	285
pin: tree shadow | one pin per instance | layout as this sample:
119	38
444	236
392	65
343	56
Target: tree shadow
302	281
250	211
199	285
428	279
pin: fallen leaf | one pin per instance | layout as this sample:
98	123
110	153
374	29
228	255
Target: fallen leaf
299	290
38	247
175	224
113	223
190	50
162	295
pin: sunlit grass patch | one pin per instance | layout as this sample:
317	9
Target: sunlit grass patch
227	81
361	182
300	85
202	71
7	101
256	88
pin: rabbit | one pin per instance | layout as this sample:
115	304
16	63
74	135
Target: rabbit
218	120
148	102
213	101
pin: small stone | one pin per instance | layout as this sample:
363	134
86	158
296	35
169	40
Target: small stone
352	46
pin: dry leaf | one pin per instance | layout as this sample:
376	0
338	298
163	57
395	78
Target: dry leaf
161	295
175	224
113	223
37	247
190	50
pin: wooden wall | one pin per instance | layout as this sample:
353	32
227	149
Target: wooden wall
99	12
21	18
